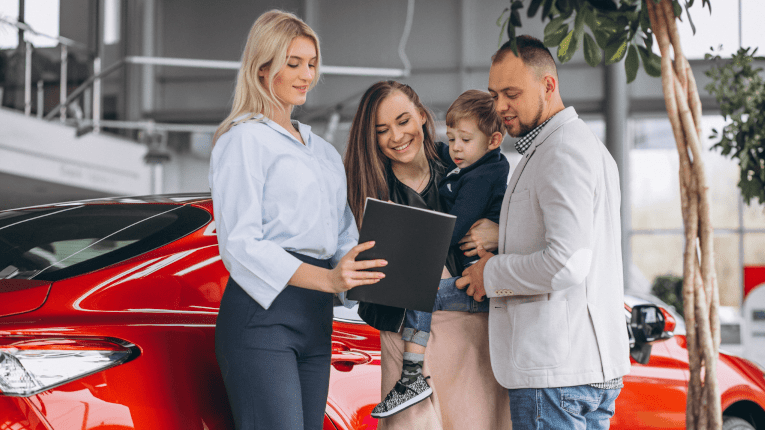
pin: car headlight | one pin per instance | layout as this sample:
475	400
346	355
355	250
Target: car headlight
30	366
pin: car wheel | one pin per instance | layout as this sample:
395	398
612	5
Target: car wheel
736	423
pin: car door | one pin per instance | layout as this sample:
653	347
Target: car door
654	394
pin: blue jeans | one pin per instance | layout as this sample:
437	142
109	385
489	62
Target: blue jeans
448	298
581	407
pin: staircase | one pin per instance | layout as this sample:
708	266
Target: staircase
43	162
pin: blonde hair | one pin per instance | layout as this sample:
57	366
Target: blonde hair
267	44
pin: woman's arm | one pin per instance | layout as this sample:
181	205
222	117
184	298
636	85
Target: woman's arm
483	233
347	274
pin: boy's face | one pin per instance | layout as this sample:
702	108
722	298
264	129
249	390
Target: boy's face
467	144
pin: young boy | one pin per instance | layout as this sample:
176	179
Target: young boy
473	189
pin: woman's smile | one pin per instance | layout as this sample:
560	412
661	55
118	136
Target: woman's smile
398	126
403	147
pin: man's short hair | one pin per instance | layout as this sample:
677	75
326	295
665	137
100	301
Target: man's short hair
478	105
532	52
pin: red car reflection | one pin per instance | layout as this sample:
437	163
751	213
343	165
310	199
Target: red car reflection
107	315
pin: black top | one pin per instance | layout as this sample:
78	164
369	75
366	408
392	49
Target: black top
389	318
473	193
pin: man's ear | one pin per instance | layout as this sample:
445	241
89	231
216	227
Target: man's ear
550	84
495	140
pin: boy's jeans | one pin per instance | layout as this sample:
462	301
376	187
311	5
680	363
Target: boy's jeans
448	298
581	407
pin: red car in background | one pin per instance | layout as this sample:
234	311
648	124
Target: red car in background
107	318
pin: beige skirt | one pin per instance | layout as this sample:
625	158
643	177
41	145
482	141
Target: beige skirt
465	393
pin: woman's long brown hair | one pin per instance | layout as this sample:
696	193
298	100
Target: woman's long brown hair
365	164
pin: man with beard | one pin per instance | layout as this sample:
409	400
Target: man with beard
557	332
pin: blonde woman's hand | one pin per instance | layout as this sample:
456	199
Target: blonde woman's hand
482	234
350	273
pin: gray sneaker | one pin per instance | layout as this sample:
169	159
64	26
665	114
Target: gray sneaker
402	396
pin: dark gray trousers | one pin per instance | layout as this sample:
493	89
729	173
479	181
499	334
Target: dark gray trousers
275	362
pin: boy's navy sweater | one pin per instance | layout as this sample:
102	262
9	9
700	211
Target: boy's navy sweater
473	193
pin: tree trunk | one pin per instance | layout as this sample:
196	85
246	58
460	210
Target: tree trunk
700	294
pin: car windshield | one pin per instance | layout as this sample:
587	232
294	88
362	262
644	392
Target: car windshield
56	243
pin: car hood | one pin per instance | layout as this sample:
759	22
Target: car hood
18	296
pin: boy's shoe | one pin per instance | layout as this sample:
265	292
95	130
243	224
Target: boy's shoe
402	396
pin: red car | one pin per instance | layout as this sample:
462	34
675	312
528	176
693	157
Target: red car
107	315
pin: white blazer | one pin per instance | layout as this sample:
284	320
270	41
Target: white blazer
557	291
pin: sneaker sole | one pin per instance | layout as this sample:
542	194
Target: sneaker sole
413	401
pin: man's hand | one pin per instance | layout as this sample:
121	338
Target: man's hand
472	277
483	234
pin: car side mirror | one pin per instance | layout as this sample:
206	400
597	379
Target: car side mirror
647	323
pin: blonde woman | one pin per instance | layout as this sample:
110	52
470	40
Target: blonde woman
285	233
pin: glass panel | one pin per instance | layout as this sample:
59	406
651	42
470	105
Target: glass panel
728	269
654	189
754	249
752	35
654	165
658	255
754	215
718	29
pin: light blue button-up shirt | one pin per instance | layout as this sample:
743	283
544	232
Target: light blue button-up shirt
270	194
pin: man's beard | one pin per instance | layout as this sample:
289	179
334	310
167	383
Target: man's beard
524	129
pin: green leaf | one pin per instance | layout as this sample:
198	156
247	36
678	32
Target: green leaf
502	18
511	37
555	31
592	52
688	12
515	18
564	7
568	46
603	28
517	4
651	62
547	8
502	30
615	51
533	7
632	64
677	9
648	40
645	21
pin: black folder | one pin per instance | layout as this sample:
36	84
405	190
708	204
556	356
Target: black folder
415	243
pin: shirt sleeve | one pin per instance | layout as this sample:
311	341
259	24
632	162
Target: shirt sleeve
565	184
348	236
261	267
470	205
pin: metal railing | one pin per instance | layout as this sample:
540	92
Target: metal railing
91	118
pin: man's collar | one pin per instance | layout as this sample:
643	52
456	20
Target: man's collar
523	144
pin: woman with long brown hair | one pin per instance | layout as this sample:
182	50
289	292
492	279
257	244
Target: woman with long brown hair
392	155
285	233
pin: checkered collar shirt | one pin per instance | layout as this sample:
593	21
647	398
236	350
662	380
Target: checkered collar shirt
523	144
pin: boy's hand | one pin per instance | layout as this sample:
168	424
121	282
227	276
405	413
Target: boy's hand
472	277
